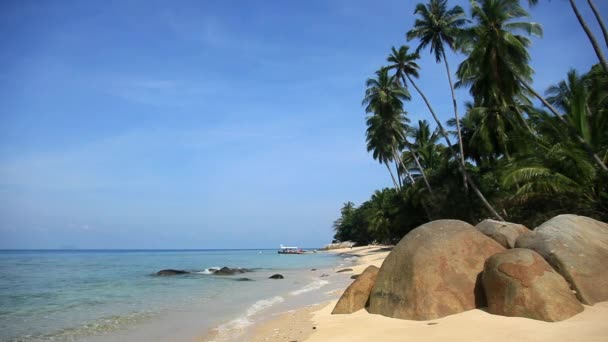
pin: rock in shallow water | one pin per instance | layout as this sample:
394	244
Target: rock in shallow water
170	272
345	270
276	276
243	279
520	283
230	271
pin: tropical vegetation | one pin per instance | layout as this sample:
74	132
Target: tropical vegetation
516	154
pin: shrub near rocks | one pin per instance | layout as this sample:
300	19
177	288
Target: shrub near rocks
433	272
520	283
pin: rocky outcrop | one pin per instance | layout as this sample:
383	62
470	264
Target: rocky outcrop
520	283
170	272
577	248
230	271
356	295
345	270
276	276
338	245
433	272
505	233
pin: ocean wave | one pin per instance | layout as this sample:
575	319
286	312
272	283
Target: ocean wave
315	285
209	270
245	320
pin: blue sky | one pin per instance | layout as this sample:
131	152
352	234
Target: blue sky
206	124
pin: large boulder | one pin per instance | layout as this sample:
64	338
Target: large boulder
505	233
357	294
577	248
520	283
433	272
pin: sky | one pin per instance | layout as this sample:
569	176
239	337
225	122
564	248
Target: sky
208	124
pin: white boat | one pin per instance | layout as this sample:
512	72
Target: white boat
290	250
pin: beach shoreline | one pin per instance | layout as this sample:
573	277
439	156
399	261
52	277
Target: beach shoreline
317	324
300	308
299	324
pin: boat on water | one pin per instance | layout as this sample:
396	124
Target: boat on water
290	250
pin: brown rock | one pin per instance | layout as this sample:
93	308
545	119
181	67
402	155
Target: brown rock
505	233
520	283
577	248
357	294
433	272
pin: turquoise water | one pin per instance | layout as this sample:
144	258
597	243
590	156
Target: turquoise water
113	295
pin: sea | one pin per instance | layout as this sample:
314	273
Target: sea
115	295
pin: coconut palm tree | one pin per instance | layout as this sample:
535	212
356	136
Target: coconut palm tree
386	127
497	69
405	67
600	21
497	55
573	97
588	32
437	27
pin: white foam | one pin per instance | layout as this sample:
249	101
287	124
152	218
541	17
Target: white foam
315	285
245	320
209	270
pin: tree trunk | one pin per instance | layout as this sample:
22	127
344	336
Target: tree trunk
571	129
461	145
399	180
596	46
426	181
392	176
599	20
451	149
407	172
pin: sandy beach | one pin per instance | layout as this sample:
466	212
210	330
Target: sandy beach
317	324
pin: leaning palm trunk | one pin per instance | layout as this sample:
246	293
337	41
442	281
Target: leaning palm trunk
399	180
392	176
426	181
451	149
596	46
571	129
407	172
599	20
460	144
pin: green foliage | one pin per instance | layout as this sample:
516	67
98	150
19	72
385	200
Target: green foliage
527	163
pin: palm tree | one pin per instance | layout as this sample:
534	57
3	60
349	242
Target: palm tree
599	21
590	35
386	127
573	96
497	69
436	27
497	55
592	39
379	144
406	67
425	144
